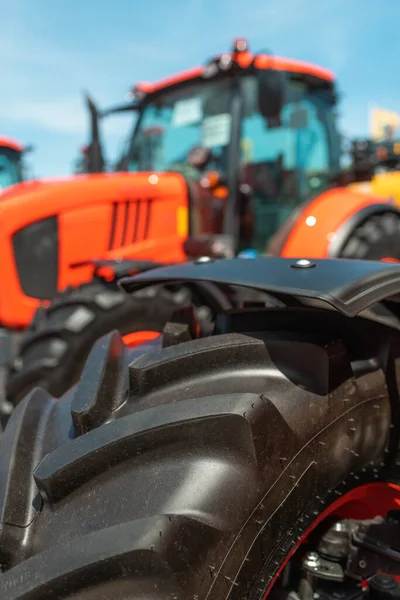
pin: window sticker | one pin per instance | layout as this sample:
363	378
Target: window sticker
187	112
216	130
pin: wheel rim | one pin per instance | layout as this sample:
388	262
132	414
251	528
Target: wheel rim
362	503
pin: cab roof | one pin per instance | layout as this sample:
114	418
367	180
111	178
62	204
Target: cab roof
243	58
10	143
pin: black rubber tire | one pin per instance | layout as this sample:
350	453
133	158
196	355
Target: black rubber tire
376	238
56	344
189	473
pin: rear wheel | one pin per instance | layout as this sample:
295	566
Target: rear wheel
376	238
191	472
54	349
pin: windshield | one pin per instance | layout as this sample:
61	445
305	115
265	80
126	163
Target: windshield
10	167
177	122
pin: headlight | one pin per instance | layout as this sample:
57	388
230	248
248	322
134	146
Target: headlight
36	257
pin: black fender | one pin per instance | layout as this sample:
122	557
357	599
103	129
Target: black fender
348	286
343	234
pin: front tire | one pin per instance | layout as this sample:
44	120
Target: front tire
189	473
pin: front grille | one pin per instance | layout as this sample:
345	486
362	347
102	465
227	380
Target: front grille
130	222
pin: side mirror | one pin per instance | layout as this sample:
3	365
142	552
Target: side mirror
95	159
211	246
271	92
29	148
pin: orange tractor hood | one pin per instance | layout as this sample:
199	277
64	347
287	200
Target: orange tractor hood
57	194
101	216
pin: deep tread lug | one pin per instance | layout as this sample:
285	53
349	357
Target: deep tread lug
103	386
186	316
121	550
19	496
150	371
175	333
78	461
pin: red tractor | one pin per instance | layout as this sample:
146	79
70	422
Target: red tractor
242	153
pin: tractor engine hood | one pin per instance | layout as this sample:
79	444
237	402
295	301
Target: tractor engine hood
54	195
51	231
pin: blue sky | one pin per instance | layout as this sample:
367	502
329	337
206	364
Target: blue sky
51	51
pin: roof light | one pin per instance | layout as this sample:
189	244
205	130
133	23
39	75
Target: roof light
240	45
210	70
225	62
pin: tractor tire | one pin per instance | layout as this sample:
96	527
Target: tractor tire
376	238
190	473
55	346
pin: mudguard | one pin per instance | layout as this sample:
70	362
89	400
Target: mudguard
335	213
348	286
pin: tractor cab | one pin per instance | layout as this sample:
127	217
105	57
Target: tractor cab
11	167
253	135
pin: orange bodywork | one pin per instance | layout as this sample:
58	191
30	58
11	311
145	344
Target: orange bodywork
263	61
317	224
104	216
10	143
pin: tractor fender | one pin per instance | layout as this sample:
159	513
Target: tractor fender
343	234
318	223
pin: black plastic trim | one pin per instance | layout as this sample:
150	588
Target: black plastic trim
36	257
149	205
113	225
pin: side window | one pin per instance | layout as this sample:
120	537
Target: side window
298	147
283	164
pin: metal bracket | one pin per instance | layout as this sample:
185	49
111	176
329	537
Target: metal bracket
347	286
375	548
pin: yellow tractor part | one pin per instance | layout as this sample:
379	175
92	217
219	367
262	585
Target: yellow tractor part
382	185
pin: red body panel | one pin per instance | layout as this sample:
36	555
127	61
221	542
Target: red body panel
99	217
330	210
